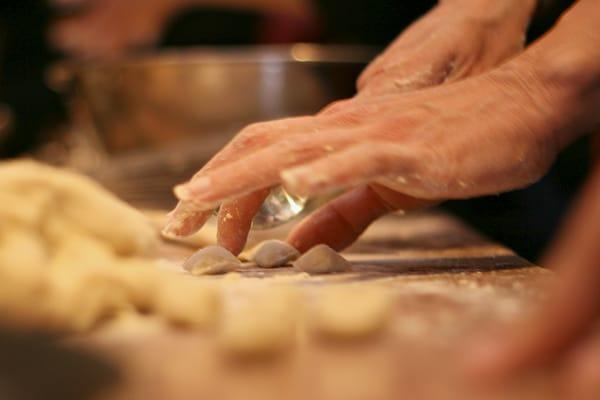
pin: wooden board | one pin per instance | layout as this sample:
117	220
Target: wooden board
449	281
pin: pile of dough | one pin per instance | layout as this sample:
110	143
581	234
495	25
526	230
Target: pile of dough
351	311
272	253
72	256
322	259
212	260
68	249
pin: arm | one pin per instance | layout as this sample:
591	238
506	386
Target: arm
566	63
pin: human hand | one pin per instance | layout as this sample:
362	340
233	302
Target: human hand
452	141
565	331
108	28
444	46
456	39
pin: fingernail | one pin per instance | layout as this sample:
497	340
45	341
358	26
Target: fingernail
182	192
192	189
171	229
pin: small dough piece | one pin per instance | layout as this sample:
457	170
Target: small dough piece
351	311
322	259
273	253
212	260
258	318
188	302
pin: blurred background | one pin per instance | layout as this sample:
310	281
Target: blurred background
140	93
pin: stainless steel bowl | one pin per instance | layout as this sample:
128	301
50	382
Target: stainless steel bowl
166	114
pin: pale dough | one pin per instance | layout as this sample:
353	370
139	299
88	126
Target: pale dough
212	260
322	259
258	318
188	302
272	253
65	243
351	310
72	256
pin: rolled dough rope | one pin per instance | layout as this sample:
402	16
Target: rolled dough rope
258	318
272	253
212	260
351	311
322	259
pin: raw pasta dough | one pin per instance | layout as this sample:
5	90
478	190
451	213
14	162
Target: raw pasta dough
351	310
272	253
322	259
212	260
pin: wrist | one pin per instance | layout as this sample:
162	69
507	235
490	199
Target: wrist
564	91
566	65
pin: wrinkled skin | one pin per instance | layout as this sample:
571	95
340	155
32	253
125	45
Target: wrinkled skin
396	147
462	43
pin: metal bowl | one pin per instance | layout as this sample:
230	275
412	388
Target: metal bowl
149	100
159	117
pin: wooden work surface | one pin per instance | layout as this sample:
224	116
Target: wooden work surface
450	283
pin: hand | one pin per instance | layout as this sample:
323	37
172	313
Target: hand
566	329
444	46
452	141
108	28
454	40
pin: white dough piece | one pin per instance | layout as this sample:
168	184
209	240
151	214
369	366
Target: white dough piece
322	259
258	318
212	260
272	253
188	302
350	311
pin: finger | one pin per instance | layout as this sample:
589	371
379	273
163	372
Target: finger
185	220
580	378
261	169
235	220
410	42
356	165
188	217
574	304
340	222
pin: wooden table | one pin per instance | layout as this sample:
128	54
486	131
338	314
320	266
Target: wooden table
450	283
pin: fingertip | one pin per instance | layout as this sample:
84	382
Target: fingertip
234	220
484	361
184	220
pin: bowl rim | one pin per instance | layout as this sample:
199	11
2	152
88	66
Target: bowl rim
223	55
